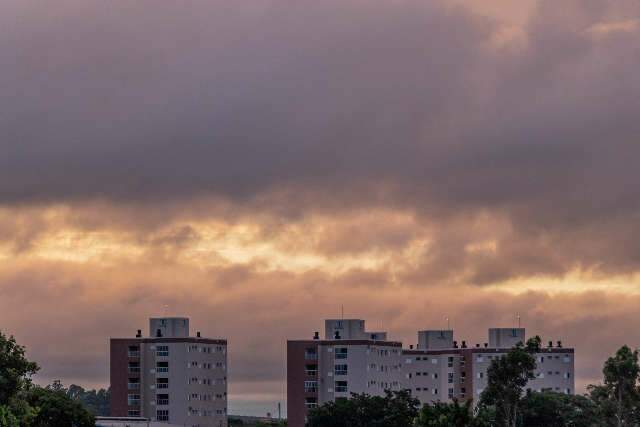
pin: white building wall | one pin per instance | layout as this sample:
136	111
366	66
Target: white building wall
197	385
371	369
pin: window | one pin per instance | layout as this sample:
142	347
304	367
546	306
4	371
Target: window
450	362
162	366
162	415
434	361
435	375
311	370
479	358
162	382
310	402
133	351
341	369
162	399
434	391
341	353
450	378
450	393
480	375
566	359
133	384
162	351
134	367
310	386
567	375
133	399
133	413
341	387
311	354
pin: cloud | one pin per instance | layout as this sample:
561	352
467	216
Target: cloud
276	159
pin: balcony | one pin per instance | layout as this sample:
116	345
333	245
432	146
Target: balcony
134	369
133	386
162	385
162	402
133	353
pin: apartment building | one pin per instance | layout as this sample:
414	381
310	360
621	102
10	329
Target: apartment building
351	360
440	369
348	360
169	376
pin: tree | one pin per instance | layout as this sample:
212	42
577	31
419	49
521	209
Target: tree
618	399
507	377
15	369
95	401
395	409
7	418
53	408
441	414
551	409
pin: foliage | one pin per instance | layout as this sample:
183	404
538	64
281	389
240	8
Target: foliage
441	414
25	405
7	418
395	409
551	409
618	399
94	401
55	409
15	369
507	377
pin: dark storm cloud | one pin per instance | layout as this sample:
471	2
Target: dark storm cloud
297	107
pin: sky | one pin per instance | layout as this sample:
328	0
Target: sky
256	165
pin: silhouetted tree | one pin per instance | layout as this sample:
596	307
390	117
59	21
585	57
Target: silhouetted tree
618	399
507	377
551	409
441	414
395	409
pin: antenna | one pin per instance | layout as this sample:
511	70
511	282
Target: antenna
518	317
342	311
448	324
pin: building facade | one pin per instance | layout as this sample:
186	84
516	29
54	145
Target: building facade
352	360
170	376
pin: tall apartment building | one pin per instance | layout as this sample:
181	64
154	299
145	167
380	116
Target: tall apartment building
348	360
440	369
170	376
351	360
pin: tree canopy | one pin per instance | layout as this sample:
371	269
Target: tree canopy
23	404
507	377
395	409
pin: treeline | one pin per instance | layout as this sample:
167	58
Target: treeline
24	404
504	402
